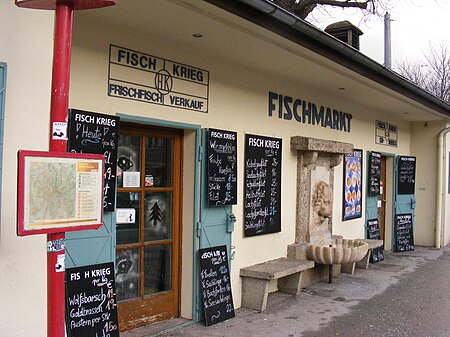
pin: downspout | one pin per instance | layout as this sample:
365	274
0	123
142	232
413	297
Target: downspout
440	192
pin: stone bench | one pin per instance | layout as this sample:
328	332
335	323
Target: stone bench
256	279
364	262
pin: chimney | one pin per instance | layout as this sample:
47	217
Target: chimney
346	32
387	41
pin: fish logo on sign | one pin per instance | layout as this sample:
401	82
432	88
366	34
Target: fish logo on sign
163	82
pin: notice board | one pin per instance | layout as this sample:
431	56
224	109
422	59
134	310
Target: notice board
58	192
91	132
262	185
374	173
216	284
404	238
222	167
91	307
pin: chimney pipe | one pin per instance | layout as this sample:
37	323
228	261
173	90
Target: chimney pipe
387	41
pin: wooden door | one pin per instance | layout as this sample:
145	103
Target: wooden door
148	225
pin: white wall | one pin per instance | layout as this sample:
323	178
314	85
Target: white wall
26	42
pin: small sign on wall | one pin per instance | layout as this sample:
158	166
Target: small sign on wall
125	215
138	76
386	134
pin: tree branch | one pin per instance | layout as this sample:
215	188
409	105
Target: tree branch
303	8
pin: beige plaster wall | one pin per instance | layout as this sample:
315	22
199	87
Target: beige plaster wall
28	56
238	101
187	232
424	146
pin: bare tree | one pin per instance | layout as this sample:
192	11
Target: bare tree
432	73
303	8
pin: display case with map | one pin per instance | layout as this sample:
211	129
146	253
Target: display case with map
59	192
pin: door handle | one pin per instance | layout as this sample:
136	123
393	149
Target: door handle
413	203
231	219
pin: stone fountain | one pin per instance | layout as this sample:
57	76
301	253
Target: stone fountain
316	159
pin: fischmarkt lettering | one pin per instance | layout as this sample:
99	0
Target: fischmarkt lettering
142	77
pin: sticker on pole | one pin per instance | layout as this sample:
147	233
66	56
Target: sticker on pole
59	131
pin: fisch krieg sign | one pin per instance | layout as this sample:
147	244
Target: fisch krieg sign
146	78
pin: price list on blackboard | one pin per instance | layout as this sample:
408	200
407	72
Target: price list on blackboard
406	178
91	132
404	238
222	167
373	229
91	307
262	185
216	284
374	233
374	173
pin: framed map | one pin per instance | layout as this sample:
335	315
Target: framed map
59	192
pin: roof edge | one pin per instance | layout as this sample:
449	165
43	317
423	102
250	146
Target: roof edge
287	25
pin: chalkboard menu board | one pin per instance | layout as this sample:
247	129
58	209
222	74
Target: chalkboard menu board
406	175
222	167
374	233
373	229
262	185
374	173
96	133
404	238
215	284
91	307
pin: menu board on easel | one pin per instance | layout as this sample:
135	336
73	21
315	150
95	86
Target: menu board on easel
374	173
403	234
374	233
91	306
91	132
406	175
215	284
262	185
222	167
373	229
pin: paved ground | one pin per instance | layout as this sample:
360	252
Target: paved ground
405	295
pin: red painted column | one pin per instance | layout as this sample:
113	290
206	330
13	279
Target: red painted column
58	114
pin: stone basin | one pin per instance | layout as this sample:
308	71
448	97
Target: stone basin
341	251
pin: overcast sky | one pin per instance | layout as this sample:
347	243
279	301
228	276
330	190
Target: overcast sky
416	24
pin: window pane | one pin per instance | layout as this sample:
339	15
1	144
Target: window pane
157	267
158	216
158	162
127	274
128	159
128	232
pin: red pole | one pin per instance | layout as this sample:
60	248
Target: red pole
58	114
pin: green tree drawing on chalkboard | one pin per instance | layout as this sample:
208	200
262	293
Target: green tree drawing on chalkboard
155	214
